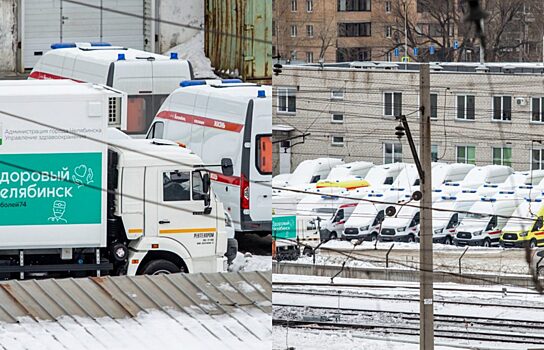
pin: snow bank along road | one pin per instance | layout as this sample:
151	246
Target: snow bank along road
465	315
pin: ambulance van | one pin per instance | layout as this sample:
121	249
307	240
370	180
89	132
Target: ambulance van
229	121
146	77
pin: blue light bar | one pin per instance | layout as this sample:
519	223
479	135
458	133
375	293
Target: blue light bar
488	199
173	55
120	57
506	192
63	45
231	81
437	190
469	191
99	44
186	83
261	93
375	195
449	198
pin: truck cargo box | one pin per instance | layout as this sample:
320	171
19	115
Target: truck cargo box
52	164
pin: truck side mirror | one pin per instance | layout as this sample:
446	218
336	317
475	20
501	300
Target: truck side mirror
226	167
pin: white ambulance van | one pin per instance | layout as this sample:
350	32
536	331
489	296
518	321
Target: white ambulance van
222	121
146	77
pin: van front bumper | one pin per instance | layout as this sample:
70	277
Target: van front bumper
470	242
389	238
513	244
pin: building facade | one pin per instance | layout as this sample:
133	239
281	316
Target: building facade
480	116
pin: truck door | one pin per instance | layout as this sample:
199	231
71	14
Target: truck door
181	211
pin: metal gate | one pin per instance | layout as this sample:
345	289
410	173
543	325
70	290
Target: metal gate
49	21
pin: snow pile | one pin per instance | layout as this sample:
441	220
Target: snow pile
249	262
149	330
193	50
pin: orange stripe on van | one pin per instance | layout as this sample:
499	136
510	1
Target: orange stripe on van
194	119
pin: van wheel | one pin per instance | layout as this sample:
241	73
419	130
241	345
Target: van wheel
374	237
487	243
540	271
532	244
333	235
411	239
448	240
160	267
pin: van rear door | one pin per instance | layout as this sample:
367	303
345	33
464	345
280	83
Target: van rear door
260	169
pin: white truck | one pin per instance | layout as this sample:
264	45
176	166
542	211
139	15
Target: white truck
73	202
221	120
148	78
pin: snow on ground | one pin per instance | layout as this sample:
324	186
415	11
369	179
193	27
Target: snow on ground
193	50
249	262
306	339
151	330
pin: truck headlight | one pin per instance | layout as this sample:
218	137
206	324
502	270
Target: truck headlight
478	233
524	234
363	228
401	229
437	232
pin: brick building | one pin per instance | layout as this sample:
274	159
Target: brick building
491	115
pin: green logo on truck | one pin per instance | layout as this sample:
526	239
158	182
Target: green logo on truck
50	189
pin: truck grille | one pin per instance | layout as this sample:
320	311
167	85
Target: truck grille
388	232
510	236
351	231
465	235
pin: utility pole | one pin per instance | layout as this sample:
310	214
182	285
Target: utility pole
426	312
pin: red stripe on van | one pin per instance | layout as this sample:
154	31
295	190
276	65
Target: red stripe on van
194	119
44	76
231	180
348	205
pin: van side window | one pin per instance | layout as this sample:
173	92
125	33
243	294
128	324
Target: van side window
176	186
538	224
157	131
492	223
388	180
264	154
198	186
415	220
453	221
339	215
417	182
315	179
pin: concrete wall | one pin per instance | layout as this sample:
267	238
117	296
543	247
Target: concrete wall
187	12
8	35
366	129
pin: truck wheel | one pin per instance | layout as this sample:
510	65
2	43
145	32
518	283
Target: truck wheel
160	267
374	237
486	243
540	271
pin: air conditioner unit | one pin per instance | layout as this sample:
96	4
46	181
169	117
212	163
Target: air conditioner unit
521	101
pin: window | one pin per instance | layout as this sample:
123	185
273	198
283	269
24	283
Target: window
157	131
392	153
466	154
264	154
294	5
349	54
309	57
337	118
337	94
537	159
309	5
465	107
454	221
339	216
337	140
310	30
492	223
538	224
176	186
392	104
502	156
502	108
415	220
354	29
198	186
287	100
388	31
434	106
537	109
387	6
353	5
434	153
293	30
136	114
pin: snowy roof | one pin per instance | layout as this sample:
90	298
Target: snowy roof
201	311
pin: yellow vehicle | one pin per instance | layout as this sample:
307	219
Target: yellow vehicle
525	227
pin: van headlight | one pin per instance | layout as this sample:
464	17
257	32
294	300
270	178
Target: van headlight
401	229
478	233
363	228
524	234
437	232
